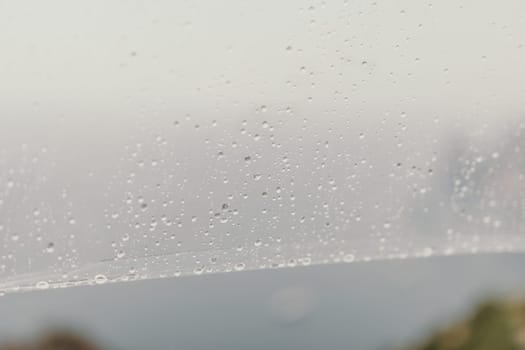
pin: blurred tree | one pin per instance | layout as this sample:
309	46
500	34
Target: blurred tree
494	326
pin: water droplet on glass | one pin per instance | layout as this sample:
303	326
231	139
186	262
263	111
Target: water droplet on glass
100	279
348	258
50	247
42	285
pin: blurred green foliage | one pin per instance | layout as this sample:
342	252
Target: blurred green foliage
493	326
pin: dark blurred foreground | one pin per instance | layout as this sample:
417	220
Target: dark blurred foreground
60	340
494	325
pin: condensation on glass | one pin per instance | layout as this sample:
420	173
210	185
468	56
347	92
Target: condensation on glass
156	139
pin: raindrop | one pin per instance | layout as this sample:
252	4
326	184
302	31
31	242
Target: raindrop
348	258
50	247
42	285
239	266
100	279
